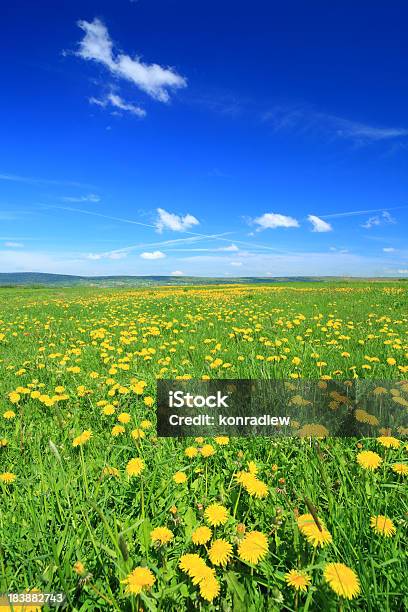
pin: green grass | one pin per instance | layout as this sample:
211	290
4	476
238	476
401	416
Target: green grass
60	509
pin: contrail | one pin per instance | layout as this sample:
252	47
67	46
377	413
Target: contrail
361	212
150	225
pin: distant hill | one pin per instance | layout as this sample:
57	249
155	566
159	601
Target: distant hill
65	280
32	279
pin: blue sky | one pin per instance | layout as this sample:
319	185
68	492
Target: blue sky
215	139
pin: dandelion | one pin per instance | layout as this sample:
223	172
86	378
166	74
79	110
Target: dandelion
9	414
253	547
400	468
209	588
138	434
201	535
298	580
190	452
141	578
342	580
222	440
207	450
179	477
135	467
83	438
315	536
110	471
382	525
163	535
124	417
216	515
7	477
389	441
369	460
220	552
117	430
79	568
14	397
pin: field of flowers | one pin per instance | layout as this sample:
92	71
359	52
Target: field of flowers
95	505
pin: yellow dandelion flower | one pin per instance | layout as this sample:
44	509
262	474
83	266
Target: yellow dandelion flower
400	468
139	579
298	580
220	552
201	535
148	401
124	417
117	430
7	477
342	580
389	441
207	450
83	438
382	525
145	424
79	568
209	588
369	460
216	515
222	440
9	414
135	467
163	535
253	547
315	536
138	434
110	471
190	452
108	410
14	397
179	477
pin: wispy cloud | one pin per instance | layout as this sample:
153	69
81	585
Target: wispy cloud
177	273
384	218
306	120
90	197
117	102
319	225
274	220
389	250
153	79
15	178
14	245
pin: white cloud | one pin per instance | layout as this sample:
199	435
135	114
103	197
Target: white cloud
403	271
177	273
14	245
153	79
319	225
384	218
388	249
237	264
90	197
231	248
274	220
116	101
119	254
152	255
176	223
